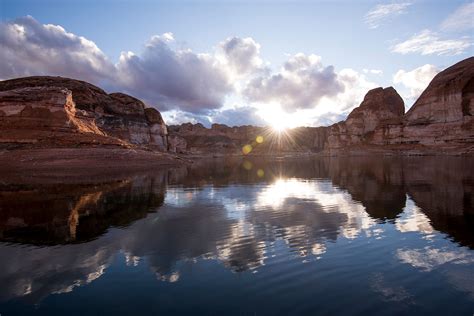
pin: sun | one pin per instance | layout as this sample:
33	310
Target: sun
278	119
278	128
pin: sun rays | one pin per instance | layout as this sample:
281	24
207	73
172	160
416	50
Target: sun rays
274	139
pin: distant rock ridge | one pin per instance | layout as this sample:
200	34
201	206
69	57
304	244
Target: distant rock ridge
440	121
54	111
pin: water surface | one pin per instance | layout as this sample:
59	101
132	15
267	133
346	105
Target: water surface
250	237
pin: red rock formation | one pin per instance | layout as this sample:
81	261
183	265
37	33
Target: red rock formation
29	110
46	116
222	139
441	121
379	108
442	117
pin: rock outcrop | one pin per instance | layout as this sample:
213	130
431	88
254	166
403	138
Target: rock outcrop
442	117
56	111
441	121
222	139
379	108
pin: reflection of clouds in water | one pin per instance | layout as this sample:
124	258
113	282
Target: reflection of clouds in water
52	269
304	213
463	280
80	282
318	250
413	220
389	292
172	277
322	193
238	225
241	250
428	258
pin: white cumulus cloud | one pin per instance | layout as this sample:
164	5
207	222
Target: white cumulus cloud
300	84
31	48
174	78
415	80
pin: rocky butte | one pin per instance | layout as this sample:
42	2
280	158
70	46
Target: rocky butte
82	122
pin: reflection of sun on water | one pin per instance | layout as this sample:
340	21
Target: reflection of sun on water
276	194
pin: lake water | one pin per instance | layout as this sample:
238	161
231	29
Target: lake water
324	236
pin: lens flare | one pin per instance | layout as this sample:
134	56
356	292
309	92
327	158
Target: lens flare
246	149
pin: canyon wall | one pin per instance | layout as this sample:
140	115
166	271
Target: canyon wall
56	111
440	122
61	112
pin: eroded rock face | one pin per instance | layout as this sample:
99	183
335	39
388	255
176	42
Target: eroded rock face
380	107
441	121
116	115
47	115
223	139
442	117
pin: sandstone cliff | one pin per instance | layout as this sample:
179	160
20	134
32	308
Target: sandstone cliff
60	112
379	108
56	111
442	117
440	121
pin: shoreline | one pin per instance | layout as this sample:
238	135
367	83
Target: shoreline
89	160
82	163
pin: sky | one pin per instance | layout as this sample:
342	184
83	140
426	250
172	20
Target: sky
261	62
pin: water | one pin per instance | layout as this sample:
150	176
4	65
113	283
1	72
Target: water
383	236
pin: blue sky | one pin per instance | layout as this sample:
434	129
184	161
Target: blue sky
360	44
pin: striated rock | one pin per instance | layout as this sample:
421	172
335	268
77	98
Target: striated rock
222	139
177	144
440	121
116	115
61	111
379	108
46	115
443	114
442	117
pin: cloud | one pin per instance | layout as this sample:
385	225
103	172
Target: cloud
30	48
241	55
189	86
300	84
415	80
428	43
161	75
373	71
382	12
244	115
461	19
428	259
176	117
174	78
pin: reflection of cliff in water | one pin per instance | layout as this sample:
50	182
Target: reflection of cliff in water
210	213
442	187
63	213
60	213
